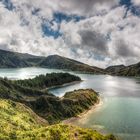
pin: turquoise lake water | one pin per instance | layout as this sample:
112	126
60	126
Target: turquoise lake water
118	114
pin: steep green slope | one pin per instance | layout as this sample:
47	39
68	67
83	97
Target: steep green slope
9	90
17	117
18	122
55	109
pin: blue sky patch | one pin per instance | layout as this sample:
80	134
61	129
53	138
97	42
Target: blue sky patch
8	4
48	31
130	7
35	11
59	17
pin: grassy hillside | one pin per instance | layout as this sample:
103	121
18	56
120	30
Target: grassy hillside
64	132
18	122
17	117
9	90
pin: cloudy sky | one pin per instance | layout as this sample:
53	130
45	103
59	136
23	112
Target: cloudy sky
97	32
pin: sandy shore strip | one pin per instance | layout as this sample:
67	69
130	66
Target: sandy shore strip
84	114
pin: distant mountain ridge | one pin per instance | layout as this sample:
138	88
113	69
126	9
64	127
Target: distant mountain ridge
18	60
10	59
59	62
15	60
121	70
114	69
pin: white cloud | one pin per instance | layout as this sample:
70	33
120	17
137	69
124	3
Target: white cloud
104	37
136	2
122	36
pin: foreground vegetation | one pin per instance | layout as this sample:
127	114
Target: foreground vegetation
26	112
17	117
63	132
46	105
16	125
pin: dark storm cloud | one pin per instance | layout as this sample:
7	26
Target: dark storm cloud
94	41
86	7
4	46
89	3
124	50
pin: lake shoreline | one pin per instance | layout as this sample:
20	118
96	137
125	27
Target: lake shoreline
83	114
63	85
